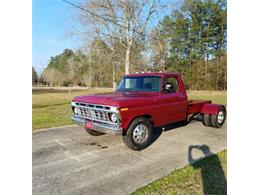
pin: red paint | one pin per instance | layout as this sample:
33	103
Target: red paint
160	107
195	106
211	108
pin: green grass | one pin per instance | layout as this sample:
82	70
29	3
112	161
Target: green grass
51	108
207	176
51	116
217	97
52	98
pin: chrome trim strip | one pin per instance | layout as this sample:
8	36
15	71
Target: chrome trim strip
96	126
98	109
114	107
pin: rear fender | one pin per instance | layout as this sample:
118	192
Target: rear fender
211	108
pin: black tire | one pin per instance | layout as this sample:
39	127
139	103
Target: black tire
207	120
214	118
93	132
130	137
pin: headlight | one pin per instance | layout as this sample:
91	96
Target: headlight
113	117
77	110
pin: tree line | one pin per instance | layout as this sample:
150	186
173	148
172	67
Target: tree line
191	41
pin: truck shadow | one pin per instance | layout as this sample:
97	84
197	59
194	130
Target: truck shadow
157	131
212	174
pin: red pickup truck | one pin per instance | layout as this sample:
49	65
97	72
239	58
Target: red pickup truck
140	103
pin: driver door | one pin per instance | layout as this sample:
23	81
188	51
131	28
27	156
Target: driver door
172	101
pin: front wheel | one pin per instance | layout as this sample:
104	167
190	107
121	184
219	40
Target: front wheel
139	134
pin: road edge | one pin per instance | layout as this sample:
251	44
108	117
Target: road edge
52	128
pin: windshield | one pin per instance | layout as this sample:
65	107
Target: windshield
143	83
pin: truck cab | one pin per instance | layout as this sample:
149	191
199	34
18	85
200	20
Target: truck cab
140	103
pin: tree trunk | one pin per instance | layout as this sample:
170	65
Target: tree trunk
164	60
127	59
90	71
114	77
206	73
128	41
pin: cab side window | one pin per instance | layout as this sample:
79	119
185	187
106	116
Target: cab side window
171	85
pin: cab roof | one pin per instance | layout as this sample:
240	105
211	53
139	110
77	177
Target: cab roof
161	74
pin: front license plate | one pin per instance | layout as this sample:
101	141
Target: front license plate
88	125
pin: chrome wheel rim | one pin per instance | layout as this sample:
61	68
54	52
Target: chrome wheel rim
220	117
140	134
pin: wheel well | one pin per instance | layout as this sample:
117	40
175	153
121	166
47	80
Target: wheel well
147	116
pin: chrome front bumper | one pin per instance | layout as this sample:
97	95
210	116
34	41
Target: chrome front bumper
97	126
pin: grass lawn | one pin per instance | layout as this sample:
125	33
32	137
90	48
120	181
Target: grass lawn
52	108
207	176
217	97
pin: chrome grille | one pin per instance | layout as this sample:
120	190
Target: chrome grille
100	115
93	112
85	112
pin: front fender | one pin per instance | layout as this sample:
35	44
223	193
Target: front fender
131	114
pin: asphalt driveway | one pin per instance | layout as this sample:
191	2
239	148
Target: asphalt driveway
69	161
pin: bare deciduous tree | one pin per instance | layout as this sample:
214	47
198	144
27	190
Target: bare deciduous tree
53	76
123	20
159	48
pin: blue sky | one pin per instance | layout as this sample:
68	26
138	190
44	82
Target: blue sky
51	25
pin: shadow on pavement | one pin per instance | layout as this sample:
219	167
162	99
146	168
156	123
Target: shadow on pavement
157	131
212	174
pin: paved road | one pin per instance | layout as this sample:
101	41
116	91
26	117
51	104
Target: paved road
69	161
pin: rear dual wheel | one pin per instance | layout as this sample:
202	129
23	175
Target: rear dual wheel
215	120
207	120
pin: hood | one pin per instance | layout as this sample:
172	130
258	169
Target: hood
119	99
